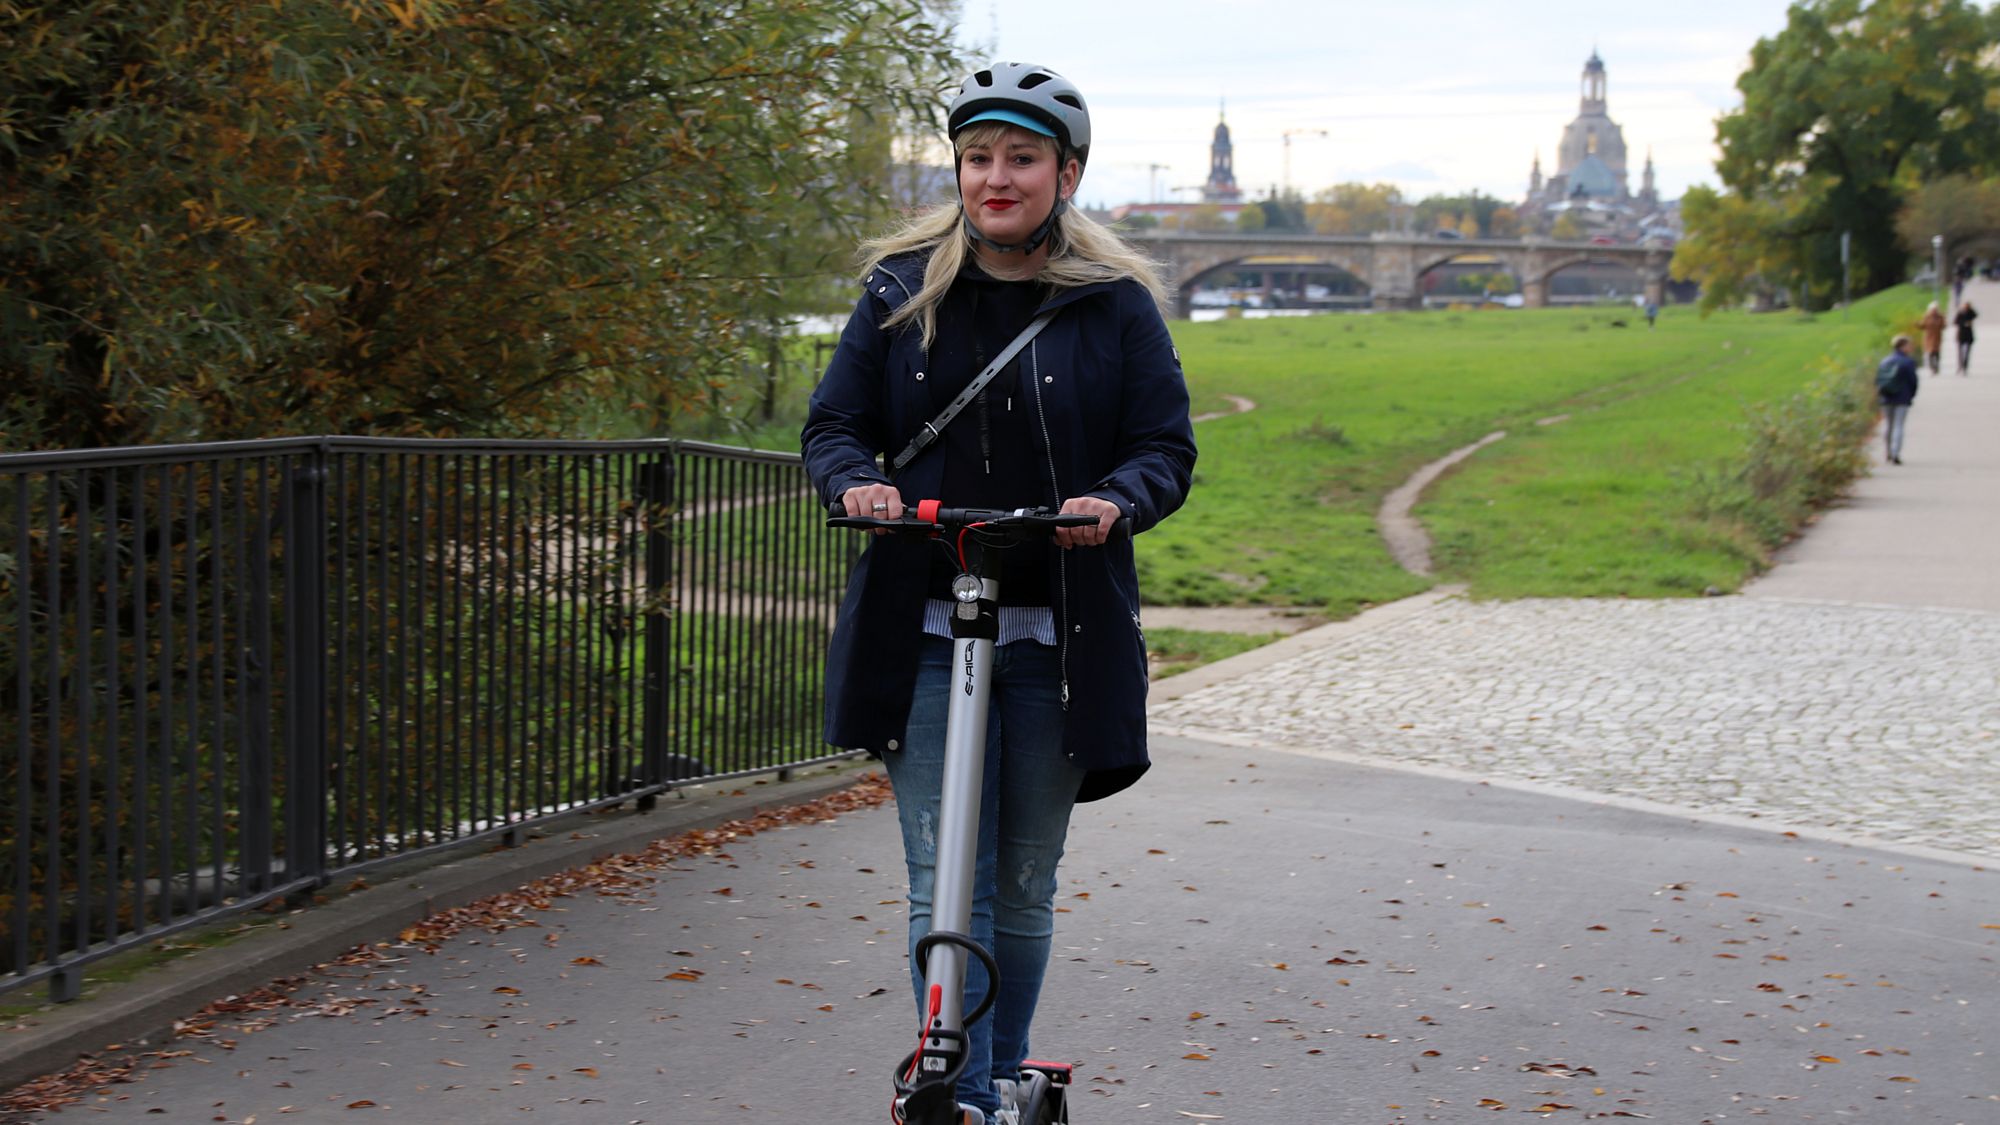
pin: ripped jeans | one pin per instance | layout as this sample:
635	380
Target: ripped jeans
1023	820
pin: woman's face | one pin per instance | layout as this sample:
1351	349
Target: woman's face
1009	181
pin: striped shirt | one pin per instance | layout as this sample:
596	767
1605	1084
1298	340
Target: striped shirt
1017	622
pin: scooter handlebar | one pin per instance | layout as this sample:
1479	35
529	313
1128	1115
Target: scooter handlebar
927	517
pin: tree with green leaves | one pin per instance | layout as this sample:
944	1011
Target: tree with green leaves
1845	112
1961	209
224	219
1736	249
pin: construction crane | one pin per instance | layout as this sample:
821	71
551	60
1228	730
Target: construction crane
1288	135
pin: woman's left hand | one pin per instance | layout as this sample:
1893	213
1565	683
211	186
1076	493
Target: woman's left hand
1089	535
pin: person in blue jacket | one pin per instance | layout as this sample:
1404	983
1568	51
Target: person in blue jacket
1091	417
1896	389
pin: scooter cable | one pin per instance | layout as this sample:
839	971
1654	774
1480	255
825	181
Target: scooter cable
924	1032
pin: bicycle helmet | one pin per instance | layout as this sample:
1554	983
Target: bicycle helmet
1034	98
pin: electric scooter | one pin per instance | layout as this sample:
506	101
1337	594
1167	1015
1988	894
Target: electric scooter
927	1078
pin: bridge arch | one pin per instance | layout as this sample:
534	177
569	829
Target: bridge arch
1649	275
1191	277
1487	259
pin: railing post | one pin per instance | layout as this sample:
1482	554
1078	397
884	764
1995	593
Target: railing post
305	668
259	766
656	481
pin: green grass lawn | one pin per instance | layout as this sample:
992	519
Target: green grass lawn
1177	650
1603	503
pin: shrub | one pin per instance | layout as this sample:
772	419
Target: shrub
1798	456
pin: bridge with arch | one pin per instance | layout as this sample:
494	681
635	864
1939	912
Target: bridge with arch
1392	265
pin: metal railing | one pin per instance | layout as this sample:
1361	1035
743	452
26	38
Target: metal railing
231	672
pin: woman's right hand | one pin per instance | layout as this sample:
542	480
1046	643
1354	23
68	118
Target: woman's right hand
881	501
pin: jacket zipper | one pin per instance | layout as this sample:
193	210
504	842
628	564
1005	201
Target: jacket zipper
1055	489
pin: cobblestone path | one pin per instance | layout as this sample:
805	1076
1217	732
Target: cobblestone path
1877	721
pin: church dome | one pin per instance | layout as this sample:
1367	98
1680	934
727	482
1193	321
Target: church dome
1593	177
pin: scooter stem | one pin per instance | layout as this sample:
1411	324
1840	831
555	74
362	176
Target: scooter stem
958	805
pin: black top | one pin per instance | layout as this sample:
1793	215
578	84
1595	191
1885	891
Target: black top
993	450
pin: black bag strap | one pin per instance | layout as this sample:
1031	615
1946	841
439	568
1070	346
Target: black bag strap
936	426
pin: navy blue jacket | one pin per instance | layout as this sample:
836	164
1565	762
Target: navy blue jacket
1106	381
1896	379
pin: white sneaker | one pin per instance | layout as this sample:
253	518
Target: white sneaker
1010	1102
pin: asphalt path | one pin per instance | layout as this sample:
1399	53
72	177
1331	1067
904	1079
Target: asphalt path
1248	937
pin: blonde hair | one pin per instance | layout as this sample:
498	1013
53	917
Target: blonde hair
1081	250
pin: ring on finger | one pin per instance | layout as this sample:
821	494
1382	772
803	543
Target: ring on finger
879	508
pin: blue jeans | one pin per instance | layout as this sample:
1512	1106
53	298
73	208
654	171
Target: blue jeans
1895	417
1024	812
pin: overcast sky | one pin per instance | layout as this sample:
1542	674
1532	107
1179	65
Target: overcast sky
1435	96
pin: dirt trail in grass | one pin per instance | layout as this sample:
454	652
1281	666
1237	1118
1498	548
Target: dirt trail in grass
1242	405
1408	542
1230	618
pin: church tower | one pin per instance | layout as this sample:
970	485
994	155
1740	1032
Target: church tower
1588	180
1221	186
1593	86
1591	159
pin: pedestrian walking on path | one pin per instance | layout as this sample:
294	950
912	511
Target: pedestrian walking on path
1896	387
1966	315
1932	326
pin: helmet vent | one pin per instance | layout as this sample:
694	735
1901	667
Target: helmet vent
1034	78
984	78
1070	100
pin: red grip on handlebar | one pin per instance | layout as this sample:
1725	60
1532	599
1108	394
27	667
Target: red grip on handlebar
927	510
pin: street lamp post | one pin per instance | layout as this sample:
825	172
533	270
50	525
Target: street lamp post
1937	265
1846	243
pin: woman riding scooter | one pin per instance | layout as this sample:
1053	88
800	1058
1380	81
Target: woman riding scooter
1091	416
